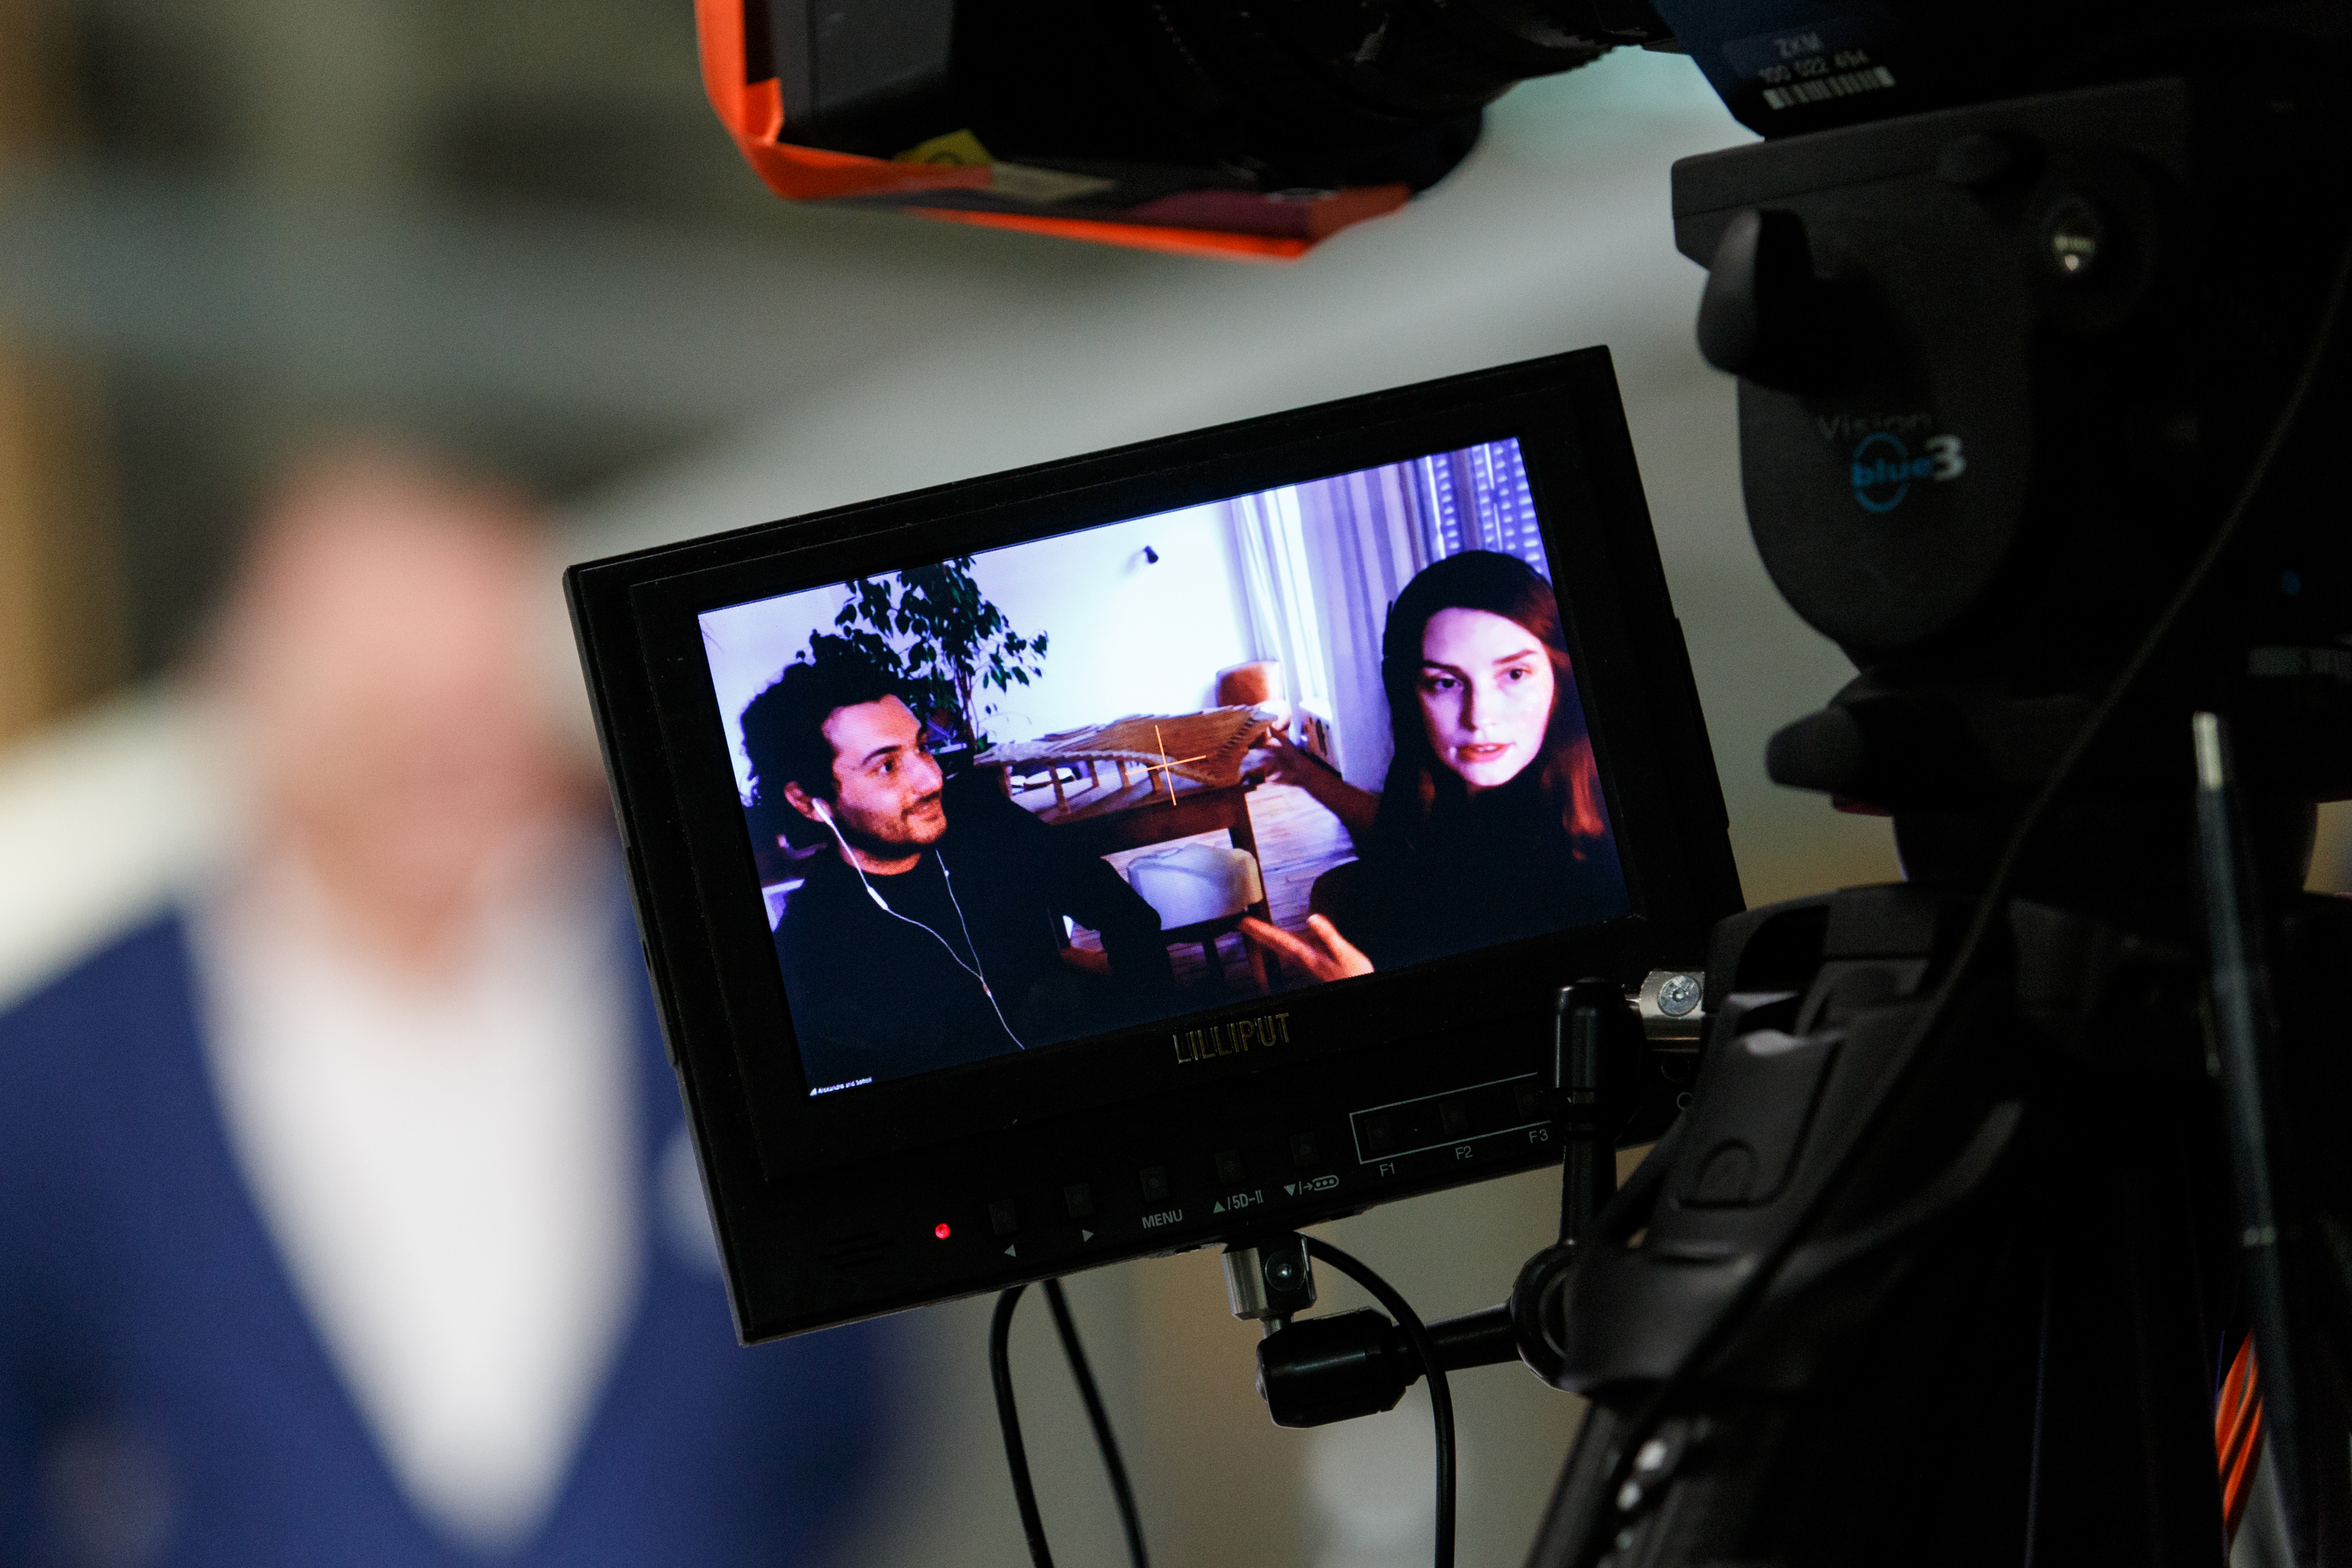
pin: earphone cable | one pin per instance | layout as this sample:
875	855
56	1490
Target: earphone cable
883	904
947	880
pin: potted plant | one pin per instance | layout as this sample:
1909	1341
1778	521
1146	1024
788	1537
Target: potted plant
932	631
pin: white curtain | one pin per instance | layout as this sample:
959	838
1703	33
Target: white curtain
1278	588
1366	538
1322	561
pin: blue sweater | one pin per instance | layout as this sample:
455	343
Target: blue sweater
165	1400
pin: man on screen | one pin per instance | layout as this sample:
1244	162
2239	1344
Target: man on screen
929	936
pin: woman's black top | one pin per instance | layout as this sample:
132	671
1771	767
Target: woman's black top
1479	870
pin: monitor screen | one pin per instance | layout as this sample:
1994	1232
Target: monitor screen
1091	782
1108	856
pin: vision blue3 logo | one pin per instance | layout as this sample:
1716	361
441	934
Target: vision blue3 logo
1884	469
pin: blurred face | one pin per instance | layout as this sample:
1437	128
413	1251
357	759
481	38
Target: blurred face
381	653
886	784
1485	691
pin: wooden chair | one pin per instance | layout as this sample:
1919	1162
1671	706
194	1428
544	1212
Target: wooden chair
1202	891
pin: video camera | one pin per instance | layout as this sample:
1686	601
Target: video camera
1220	127
1987	1180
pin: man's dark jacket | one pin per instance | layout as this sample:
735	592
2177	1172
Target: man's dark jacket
872	996
166	1400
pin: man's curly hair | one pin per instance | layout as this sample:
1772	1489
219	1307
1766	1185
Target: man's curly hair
783	727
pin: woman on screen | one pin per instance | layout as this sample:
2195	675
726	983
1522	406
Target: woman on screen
1490	825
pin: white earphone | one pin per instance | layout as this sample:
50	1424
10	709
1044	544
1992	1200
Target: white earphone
824	814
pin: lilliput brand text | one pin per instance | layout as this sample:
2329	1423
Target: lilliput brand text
1234	1038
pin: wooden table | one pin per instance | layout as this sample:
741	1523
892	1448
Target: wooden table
1206	748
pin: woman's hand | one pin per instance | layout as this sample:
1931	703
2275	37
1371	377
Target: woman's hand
1285	763
1322	952
1282	762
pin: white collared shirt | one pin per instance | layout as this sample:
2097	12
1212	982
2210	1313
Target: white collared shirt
448	1167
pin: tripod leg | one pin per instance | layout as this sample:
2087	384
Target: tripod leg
2312	1155
2242	1011
1578	1498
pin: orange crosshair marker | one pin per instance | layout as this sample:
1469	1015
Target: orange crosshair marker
1166	770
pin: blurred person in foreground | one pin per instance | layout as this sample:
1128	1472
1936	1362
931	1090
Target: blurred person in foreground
347	1215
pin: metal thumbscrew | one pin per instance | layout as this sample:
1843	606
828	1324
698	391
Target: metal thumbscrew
1678	996
1282	1270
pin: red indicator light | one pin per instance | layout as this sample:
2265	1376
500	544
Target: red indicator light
941	1230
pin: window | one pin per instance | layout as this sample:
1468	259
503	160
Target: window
1477	498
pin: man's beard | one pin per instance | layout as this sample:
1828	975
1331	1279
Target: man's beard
880	848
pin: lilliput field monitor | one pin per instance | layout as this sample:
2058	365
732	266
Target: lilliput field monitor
1131	852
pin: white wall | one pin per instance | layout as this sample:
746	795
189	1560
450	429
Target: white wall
1122	636
749	644
105	821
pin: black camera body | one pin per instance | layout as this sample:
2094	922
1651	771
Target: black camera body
1322	93
2038	316
1218	127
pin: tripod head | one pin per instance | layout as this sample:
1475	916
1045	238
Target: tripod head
2001	369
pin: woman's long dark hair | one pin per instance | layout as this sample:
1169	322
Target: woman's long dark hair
1419	785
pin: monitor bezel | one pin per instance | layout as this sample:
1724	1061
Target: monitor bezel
691	856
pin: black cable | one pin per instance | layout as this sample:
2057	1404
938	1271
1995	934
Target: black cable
1016	1457
1008	1416
1115	1467
2041	1407
1995	898
1441	1398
